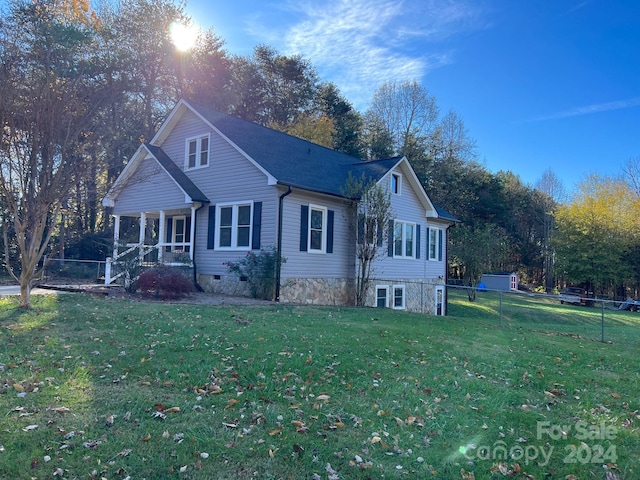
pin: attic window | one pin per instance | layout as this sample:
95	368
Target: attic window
396	183
197	155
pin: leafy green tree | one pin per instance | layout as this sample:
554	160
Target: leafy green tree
377	139
347	122
273	89
477	249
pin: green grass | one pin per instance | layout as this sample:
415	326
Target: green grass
292	392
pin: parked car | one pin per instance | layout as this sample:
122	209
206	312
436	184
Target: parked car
576	296
629	304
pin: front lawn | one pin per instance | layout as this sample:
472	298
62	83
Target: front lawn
99	388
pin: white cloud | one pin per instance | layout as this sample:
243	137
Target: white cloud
591	109
358	44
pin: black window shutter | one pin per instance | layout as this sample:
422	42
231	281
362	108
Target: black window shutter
211	228
360	229
187	229
380	235
390	238
257	225
169	229
330	215
428	235
440	245
304	227
418	241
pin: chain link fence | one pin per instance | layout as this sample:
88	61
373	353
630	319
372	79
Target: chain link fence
69	271
598	319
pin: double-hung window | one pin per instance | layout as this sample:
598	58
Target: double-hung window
404	240
317	229
197	152
435	244
234	226
398	297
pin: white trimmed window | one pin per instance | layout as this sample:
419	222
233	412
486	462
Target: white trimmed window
398	297
435	243
382	296
234	226
404	240
317	229
396	183
197	152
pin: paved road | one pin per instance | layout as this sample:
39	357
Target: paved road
15	290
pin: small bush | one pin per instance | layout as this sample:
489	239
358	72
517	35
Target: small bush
259	270
163	282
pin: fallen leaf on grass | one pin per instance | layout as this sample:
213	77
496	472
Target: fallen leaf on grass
147	438
171	410
323	398
18	387
467	476
615	395
29	428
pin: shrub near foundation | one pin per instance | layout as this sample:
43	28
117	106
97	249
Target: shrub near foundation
163	282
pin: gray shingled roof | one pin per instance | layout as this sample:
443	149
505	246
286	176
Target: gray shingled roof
291	160
297	162
185	183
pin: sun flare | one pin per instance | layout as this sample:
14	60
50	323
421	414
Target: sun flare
183	36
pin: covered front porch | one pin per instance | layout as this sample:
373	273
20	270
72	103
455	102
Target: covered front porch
146	239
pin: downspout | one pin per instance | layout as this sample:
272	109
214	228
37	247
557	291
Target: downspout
279	243
193	258
446	272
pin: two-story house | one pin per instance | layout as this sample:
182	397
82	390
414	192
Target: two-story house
209	187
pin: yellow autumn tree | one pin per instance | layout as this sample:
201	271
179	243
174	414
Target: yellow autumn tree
597	235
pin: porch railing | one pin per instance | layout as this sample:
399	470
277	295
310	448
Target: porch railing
127	264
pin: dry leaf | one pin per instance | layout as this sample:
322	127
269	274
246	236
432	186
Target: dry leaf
29	428
147	438
18	387
615	395
277	431
172	410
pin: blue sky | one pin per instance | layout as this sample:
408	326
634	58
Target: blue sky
539	83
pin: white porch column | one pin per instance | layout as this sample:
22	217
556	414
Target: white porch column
161	235
143	226
192	227
116	234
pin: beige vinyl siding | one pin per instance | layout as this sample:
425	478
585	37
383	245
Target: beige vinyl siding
150	188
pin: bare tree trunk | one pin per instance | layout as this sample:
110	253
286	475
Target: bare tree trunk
25	292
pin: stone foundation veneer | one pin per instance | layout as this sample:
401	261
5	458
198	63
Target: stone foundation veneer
419	295
225	285
317	291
